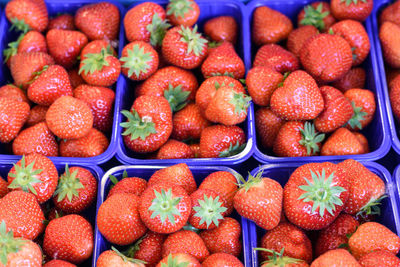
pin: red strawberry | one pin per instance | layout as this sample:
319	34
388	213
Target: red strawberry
277	58
62	22
267	126
76	190
222	259
342	142
148	248
179	259
114	257
75	78
37	138
35	174
65	46
98	21
389	34
221	29
32	41
3	187
131	185
101	102
154	115
351	9
11	91
58	263
139	60
221	141
184	47
336	257
315	195
183	12
364	106
69	238
270	26
91	145
261	82
394	94
390	13
298	37
379	258
278	259
174	149
317	14
363	141
51	83
355	78
258	190
185	241
391	75
15	114
69	118
27	14
37	115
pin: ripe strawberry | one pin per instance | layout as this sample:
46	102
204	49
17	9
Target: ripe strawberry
379	258
183	12
51	83
277	259
372	236
317	14
363	141
36	139
315	195
174	149
337	111
298	37
154	115
355	78
390	13
69	238
221	29
131	185
139	60
114	257
93	144
32	41
148	248
267	126
394	95
35	174
69	118
101	102
261	82
342	142
3	187
11	91
98	21
389	34
37	115
328	64
75	78
15	114
62	22
351	9
222	259
221	141
225	238
298	99
223	61
258	190
27	14
277	58
146	22
270	26
364	106
58	263
178	174
391	75
336	257
179	259
185	241
65	46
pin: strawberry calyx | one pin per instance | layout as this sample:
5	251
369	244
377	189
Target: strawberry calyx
214	44
348	2
131	251
157	29
68	185
173	262
114	179
226	73
137	61
277	259
285	75
241	102
177	98
179	8
36	74
8	243
252	181
136	126
19	25
12	48
217	85
232	150
321	192
314	16
190	227
25	177
372	207
127	259
358	116
209	211
310	138
165	205
95	61
195	42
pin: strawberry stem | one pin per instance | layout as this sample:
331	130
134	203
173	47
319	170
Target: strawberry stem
25	177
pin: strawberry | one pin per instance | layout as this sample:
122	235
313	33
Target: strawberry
11	91
101	102
221	141
27	14
222	259
298	99
114	257
355	78
225	238
269	26
178	174
372	236
51	83
261	82
62	22
35	174
267	126
277	58
390	13
389	34
328	64
58	263
315	195
221	29
223	61
256	190
363	141
317	14
356	35
351	9
98	21
185	241
69	238
336	234
196	150
153	212
154	115
364	106
15	114
337	111
148	248
391	75
179	259
379	258
37	115
342	142
76	190
174	149
93	144
336	257
139	60
69	118
394	95
75	78
3	187
183	12
37	138
65	46
131	185
146	22
277	259
298	37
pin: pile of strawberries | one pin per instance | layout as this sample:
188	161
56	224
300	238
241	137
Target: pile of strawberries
314	87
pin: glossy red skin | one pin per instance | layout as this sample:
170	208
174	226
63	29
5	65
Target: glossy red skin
267	126
3	187
174	149
14	92
366	99
181	258
298	37
277	58
15	114
363	141
75	78
379	258
96	46
338	257
389	36
189	18
62	22
222	259
34	13
342	142
328	20
150	248
105	77
390	13
220	29
355	78
131	185
29	254
111	258
33	41
359	11
58	263
37	114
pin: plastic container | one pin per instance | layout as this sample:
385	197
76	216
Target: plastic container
55	7
125	91
377	132
396	179
145	172
281	173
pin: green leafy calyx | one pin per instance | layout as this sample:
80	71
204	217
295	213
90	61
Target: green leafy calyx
210	210
127	259
241	102
177	98
25	177
12	48
179	8
68	185
310	138
136	126
195	42
372	207
358	117
137	61
157	29
252	181
8	244
19	25
93	62
277	259
232	150
165	205
349	2
314	16
174	262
